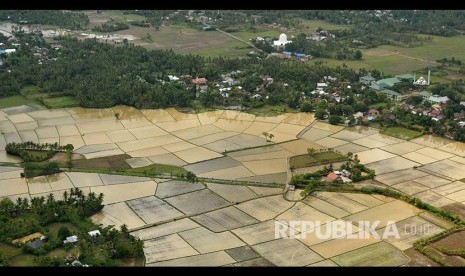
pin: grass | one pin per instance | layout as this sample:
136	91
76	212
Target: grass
30	90
62	253
22	260
307	26
271	110
312	25
305	160
153	170
9	250
54	227
15	101
397	60
119	15
139	261
60	102
401	132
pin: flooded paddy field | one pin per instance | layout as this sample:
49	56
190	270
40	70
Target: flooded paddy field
216	224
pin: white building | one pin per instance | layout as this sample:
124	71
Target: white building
173	78
282	40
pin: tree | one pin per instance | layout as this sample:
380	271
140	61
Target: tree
320	113
270	136
266	135
311	151
63	232
7	207
334	119
350	155
117	115
124	230
4	261
191	177
358	55
306	106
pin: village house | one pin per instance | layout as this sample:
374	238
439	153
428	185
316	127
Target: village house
436	99
373	112
367	80
94	233
390	94
200	85
70	239
321	86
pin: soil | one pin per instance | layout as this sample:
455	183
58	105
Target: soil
108	162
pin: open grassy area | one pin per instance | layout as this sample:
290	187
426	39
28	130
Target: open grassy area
22	260
312	25
305	160
397	60
60	102
401	132
140	261
14	101
187	40
117	165
119	15
9	250
308	26
53	227
30	90
153	170
271	110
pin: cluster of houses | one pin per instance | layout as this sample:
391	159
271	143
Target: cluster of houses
227	83
339	176
322	35
292	55
438	103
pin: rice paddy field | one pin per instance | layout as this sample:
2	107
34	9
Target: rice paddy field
220	224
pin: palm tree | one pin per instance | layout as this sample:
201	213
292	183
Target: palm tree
266	135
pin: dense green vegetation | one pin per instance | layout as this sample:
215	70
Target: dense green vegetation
312	181
111	26
56	220
101	75
33	169
35	157
65	19
32	152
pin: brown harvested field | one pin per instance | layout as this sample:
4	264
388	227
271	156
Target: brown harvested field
108	162
187	40
454	241
456	208
418	259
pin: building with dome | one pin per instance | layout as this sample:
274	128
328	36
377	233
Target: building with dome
282	41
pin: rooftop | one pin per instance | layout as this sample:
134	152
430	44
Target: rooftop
390	92
389	82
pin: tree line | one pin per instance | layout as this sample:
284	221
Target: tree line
65	19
